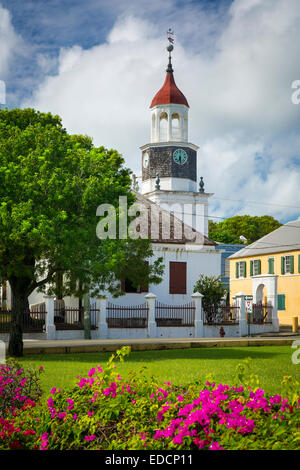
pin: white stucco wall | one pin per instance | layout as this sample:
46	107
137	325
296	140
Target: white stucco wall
199	259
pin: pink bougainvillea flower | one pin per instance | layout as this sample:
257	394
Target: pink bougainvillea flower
71	404
29	432
92	372
215	446
50	402
90	438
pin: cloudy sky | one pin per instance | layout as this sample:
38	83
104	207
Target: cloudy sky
98	64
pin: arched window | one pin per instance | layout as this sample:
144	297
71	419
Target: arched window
163	127
176	127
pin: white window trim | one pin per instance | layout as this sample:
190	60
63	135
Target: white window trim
255	267
241	270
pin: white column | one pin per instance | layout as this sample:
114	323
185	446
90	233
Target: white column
102	325
169	137
157	126
50	326
151	298
273	300
181	127
241	302
197	298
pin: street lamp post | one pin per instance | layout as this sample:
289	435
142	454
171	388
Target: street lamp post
87	316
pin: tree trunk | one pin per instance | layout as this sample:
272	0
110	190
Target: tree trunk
18	307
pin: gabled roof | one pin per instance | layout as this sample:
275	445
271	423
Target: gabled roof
284	239
180	233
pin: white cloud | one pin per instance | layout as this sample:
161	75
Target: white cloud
241	113
9	41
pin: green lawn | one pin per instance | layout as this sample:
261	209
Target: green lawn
178	366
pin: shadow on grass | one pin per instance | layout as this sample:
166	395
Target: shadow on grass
163	355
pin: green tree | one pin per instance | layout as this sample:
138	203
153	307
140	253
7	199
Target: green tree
213	291
252	228
51	184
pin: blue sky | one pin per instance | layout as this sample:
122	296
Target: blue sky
47	26
98	63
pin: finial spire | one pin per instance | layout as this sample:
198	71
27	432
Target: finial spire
170	49
201	185
134	183
157	183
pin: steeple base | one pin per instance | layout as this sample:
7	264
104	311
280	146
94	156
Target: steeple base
190	207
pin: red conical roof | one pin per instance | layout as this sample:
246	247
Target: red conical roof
169	93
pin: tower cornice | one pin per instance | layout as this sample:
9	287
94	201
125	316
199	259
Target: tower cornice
169	144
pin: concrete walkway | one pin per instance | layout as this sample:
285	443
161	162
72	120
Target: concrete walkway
80	346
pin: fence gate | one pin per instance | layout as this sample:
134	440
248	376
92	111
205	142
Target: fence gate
260	314
175	315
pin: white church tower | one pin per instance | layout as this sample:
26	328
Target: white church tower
169	161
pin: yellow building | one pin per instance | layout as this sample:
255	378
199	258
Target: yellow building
269	270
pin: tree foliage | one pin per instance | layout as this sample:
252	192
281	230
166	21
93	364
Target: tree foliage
213	291
252	228
51	184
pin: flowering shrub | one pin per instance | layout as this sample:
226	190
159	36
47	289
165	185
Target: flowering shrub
104	411
19	388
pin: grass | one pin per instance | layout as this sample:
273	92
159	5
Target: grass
179	366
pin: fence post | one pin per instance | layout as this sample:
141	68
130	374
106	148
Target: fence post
101	321
150	299
50	325
197	297
241	303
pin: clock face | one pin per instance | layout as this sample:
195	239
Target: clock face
180	156
146	160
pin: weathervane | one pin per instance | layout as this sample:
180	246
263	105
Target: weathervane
170	34
170	48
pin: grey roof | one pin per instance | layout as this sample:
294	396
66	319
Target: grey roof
179	232
285	238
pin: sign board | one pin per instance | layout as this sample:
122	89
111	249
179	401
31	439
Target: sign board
249	302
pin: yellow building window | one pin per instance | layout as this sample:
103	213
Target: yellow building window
287	264
240	269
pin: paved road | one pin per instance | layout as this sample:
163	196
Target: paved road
72	346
